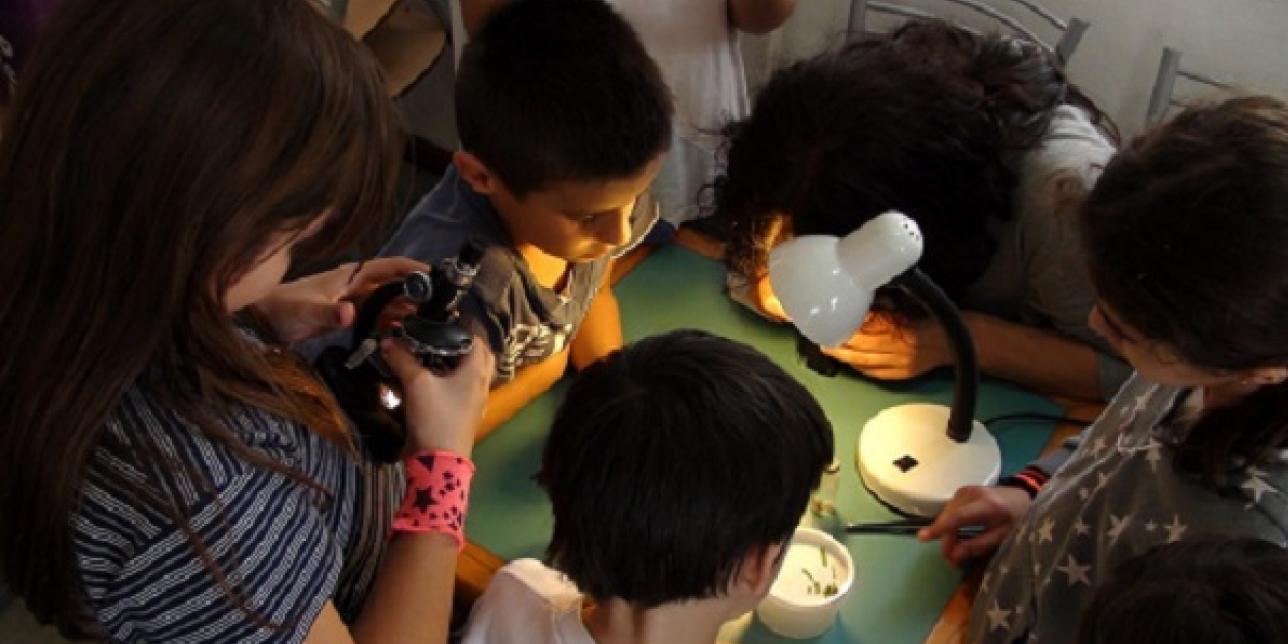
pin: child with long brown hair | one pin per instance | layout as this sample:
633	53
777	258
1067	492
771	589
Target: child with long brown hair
165	473
1187	241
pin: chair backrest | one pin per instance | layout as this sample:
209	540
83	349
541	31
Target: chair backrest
1163	96
1071	30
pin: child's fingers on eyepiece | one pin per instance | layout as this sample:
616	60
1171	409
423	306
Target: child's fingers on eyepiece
384	269
394	313
345	314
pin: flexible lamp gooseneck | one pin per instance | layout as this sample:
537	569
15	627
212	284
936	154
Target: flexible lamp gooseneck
913	457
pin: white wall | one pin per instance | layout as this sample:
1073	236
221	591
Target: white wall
1245	41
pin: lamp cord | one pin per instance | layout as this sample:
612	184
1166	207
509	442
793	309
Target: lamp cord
1052	418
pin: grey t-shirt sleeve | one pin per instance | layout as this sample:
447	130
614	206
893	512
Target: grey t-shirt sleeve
481	322
1059	292
1058	289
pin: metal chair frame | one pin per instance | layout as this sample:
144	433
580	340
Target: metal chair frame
1163	96
1071	30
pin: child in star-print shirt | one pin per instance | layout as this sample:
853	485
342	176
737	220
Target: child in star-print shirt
1187	244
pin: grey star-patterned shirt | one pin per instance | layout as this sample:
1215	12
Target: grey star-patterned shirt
1115	497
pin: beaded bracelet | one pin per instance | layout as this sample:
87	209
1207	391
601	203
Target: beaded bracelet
438	491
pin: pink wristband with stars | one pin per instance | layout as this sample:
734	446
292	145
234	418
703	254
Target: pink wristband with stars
438	492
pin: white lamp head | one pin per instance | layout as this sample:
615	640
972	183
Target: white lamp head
826	284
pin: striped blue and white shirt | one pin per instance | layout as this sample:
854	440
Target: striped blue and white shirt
285	547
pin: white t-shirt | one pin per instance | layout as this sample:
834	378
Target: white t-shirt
696	48
528	602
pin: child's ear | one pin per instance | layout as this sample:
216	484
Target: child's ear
476	173
759	570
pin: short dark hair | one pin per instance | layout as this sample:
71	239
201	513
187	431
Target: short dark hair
559	90
672	460
1211	591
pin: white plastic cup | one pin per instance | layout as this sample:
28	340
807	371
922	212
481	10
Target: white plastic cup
805	617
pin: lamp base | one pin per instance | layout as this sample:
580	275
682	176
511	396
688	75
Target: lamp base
906	458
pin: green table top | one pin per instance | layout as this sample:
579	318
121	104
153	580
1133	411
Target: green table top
902	586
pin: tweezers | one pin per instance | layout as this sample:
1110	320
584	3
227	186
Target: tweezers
907	527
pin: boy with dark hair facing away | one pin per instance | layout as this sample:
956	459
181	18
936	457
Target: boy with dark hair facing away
678	469
563	120
1210	591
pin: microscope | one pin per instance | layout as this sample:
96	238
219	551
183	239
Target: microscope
358	375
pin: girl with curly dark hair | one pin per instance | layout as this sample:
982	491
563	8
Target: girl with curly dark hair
981	140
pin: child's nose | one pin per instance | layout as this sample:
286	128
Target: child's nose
616	230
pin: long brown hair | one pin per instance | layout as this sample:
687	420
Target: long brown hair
1187	239
154	149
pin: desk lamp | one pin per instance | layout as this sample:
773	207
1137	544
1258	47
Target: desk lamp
912	457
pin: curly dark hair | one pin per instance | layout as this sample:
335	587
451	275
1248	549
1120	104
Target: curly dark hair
917	120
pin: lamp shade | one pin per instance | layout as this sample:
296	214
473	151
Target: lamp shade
826	284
